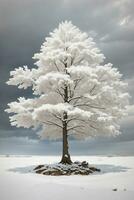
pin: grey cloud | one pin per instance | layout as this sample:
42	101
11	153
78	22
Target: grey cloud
19	132
131	85
121	55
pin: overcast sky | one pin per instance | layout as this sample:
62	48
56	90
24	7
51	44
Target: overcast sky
24	24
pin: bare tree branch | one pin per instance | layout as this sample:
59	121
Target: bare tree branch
78	62
71	119
57	116
76	83
73	127
70	92
93	88
73	98
89	105
56	66
52	123
75	118
60	93
72	60
77	132
93	127
62	62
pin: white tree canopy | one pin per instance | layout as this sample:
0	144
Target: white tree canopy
95	94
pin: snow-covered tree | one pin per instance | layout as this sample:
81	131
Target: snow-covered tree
74	93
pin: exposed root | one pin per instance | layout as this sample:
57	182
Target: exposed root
82	168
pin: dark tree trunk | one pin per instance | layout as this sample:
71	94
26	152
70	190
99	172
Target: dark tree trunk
65	153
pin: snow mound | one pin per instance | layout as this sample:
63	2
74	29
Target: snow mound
82	168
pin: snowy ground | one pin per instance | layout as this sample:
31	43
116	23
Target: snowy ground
17	183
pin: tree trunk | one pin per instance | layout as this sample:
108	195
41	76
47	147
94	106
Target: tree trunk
65	153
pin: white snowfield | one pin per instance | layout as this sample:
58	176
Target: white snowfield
18	183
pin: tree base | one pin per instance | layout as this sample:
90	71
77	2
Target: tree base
66	160
59	169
